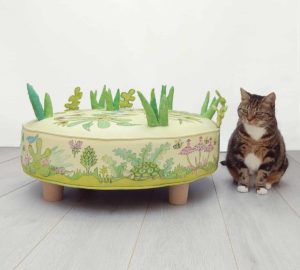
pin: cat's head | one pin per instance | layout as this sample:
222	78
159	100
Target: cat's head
257	110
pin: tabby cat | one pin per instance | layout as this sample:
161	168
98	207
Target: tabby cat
256	146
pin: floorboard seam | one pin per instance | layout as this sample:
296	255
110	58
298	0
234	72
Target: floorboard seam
226	227
43	238
293	159
5	194
4	161
140	230
286	201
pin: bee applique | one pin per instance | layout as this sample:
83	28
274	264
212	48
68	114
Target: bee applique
178	144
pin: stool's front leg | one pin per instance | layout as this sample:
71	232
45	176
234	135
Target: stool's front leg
52	192
178	195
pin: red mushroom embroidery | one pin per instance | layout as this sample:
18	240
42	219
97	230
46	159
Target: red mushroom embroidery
204	146
186	151
208	147
199	147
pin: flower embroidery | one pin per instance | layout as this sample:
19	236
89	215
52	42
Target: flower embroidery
75	146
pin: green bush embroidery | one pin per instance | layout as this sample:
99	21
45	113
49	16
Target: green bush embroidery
88	158
116	169
144	164
180	171
127	155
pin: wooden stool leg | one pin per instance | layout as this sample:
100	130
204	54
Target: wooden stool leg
178	195
52	192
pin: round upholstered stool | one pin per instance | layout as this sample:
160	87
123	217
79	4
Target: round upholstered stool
99	149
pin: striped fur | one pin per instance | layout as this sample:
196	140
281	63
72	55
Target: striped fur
256	145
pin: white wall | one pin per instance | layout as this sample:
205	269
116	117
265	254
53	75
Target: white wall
194	45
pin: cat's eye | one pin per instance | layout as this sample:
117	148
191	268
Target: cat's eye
260	114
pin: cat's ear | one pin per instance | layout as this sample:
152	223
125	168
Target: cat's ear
244	94
270	98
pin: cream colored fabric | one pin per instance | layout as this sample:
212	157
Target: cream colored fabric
117	150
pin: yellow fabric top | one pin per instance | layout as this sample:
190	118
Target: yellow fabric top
116	125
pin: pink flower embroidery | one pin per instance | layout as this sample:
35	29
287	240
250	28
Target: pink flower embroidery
75	146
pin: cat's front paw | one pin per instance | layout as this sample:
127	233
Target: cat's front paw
261	191
242	189
268	186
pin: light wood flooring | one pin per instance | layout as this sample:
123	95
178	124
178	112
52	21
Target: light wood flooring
219	228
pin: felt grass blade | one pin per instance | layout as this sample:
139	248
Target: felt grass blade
153	103
93	98
209	110
163	111
170	98
106	99
163	91
150	114
116	102
48	109
205	104
35	102
109	101
102	99
212	108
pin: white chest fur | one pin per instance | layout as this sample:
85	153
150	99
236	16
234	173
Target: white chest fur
252	162
255	132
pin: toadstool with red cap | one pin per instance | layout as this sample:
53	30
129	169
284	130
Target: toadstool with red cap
186	151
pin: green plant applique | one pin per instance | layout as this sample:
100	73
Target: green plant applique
211	165
40	112
103	119
221	111
170	96
60	161
127	99
104	175
88	158
158	116
40	161
117	169
183	117
143	165
208	110
106	101
180	171
167	168
74	100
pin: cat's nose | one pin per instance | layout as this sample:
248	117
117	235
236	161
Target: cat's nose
250	117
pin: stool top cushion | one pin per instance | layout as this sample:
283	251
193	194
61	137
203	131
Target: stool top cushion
118	125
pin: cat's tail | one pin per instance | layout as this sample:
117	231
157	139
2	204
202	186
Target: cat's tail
223	162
